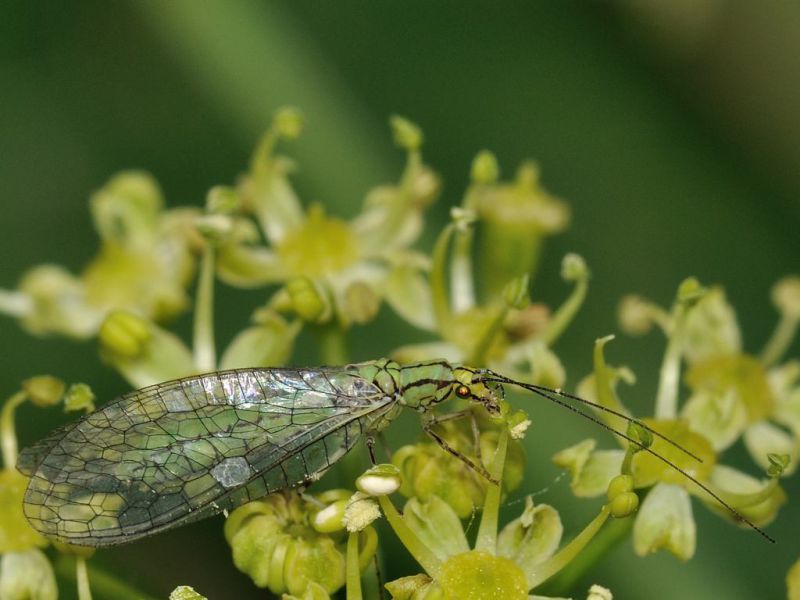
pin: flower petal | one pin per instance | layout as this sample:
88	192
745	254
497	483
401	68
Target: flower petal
268	344
665	520
437	525
531	538
721	417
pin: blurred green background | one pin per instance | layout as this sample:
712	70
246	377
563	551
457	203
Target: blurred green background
673	129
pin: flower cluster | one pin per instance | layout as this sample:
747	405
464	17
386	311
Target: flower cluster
731	395
471	295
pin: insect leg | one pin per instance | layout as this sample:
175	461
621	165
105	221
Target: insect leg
462	414
371	449
427	428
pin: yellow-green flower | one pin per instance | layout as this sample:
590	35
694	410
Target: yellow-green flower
296	544
731	396
144	264
344	267
505	331
507	564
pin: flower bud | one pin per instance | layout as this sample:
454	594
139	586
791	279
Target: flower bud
286	543
307	300
786	296
222	200
44	390
573	267
624	505
288	122
406	134
380	480
184	592
516	217
124	334
79	396
330	518
485	169
636	315
621	484
361	303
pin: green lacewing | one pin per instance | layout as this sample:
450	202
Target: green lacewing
180	451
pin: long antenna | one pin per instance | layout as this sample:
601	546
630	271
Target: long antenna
545	392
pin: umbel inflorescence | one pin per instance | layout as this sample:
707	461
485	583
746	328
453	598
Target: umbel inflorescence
328	275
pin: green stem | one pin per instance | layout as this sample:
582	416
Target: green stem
567	311
82	576
205	354
487	532
332	341
544	571
416	547
604	542
780	340
353	572
481	349
106	585
8	434
438	279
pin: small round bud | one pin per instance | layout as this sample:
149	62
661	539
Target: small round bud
624	505
361	302
786	296
380	480
222	200
288	122
621	484
406	134
79	396
124	333
573	267
690	291
528	175
185	592
306	299
44	390
485	169
330	518
635	315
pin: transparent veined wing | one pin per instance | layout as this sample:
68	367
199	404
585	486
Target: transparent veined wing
180	451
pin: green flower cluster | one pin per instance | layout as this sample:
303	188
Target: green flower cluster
471	295
729	395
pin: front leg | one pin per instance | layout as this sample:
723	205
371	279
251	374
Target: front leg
427	427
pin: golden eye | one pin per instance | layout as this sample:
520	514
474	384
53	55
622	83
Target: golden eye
462	391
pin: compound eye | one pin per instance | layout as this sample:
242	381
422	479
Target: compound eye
462	391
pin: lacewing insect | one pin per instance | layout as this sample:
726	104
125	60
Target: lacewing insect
177	452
